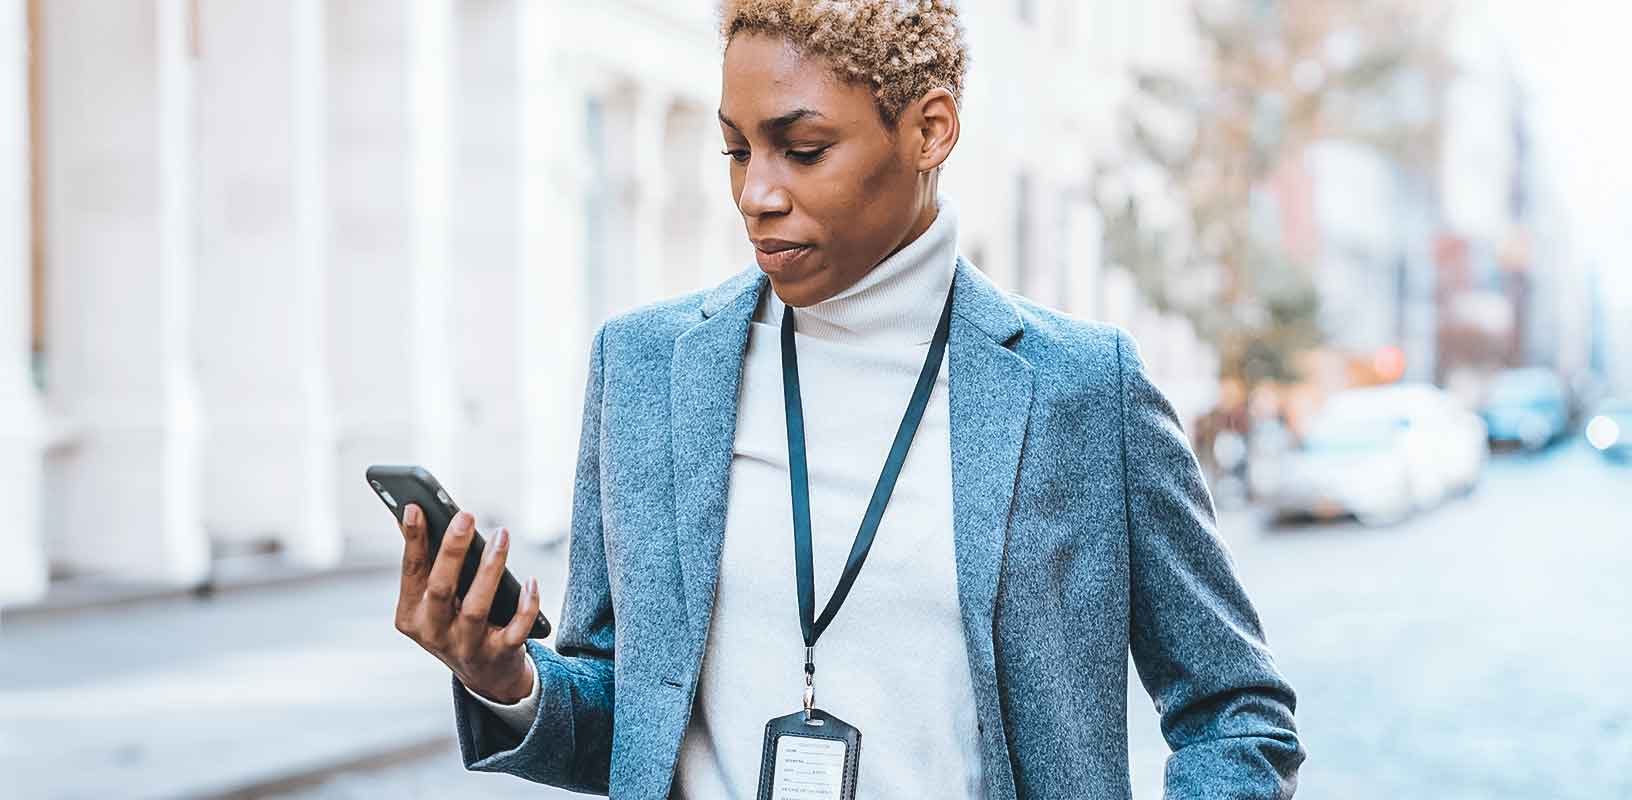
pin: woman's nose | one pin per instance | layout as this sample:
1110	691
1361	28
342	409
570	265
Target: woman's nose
762	192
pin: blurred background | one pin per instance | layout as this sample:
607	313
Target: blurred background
1374	252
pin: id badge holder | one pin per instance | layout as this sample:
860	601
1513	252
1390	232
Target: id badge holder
809	759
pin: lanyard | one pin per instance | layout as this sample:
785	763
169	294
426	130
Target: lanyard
800	479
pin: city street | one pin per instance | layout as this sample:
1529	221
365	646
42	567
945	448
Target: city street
254	248
1477	651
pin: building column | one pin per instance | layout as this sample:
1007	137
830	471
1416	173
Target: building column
269	475
390	364
723	247
123	496
487	471
430	188
637	120
555	313
23	569
684	210
1085	235
651	146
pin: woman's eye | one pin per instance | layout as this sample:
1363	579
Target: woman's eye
807	156
739	156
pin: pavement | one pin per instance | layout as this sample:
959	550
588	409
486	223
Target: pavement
250	692
1475	651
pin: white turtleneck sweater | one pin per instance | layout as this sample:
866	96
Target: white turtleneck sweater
893	662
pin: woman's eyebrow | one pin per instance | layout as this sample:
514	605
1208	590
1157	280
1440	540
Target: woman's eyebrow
779	123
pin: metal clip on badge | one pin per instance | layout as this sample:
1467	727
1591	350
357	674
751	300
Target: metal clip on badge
810	685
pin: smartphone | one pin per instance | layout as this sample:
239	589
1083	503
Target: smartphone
398	486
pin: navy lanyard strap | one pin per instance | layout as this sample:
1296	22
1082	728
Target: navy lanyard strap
800	477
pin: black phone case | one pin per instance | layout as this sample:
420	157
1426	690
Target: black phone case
397	486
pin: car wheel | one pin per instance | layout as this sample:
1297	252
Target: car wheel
1404	503
1472	483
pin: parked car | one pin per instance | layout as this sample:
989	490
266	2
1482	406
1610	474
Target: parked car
1609	429
1526	408
1382	453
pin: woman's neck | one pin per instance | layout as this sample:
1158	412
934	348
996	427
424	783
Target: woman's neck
898	301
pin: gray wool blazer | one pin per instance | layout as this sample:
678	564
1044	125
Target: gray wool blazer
1082	530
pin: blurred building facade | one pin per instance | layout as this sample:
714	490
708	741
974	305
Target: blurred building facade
1514	286
256	247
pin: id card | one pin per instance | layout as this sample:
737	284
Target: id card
809	760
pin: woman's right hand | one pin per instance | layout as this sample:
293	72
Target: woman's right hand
490	661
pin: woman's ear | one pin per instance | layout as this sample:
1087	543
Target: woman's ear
935	115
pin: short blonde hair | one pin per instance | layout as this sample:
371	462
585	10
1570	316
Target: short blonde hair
899	48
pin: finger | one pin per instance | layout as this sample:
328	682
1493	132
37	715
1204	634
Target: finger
479	597
415	563
444	578
515	633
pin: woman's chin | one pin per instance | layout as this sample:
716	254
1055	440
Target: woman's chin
795	291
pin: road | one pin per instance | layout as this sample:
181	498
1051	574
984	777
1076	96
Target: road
1476	652
1479	650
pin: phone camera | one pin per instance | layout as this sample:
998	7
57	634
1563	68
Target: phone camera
384	495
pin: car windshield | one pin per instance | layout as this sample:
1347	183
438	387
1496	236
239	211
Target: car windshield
1356	433
1524	389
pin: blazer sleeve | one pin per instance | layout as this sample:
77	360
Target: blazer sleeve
569	742
1196	640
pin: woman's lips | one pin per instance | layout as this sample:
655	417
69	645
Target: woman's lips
781	259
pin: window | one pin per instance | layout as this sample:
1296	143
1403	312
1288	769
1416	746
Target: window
596	199
1022	234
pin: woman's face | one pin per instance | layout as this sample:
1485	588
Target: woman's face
825	189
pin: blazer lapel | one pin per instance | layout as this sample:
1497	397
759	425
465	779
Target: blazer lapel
989	403
706	372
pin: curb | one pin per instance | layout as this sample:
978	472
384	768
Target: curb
228	576
297	778
68	598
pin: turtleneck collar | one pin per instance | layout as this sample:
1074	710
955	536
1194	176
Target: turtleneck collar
898	302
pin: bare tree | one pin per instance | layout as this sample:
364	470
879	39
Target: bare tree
1184	203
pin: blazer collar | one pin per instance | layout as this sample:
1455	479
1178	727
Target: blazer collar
982	303
989	404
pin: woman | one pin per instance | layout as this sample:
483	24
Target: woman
1044	514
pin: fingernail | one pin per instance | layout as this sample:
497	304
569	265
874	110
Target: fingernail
463	523
503	539
532	586
410	515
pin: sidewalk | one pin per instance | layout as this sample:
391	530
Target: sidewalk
242	694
